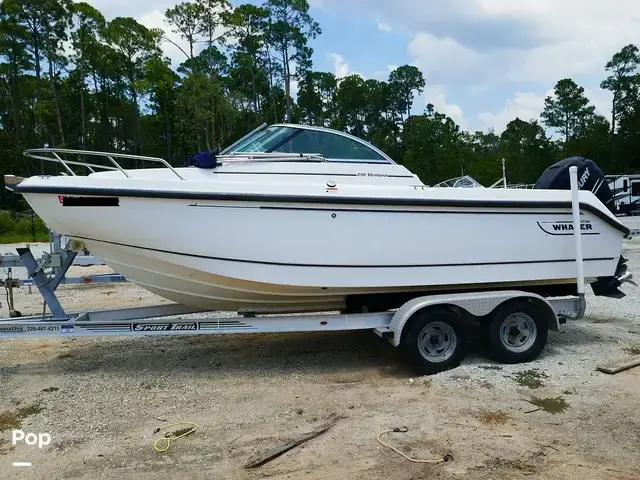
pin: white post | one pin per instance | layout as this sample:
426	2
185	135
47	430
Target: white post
575	210
504	174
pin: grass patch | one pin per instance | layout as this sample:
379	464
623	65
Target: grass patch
22	230
550	405
50	389
530	378
490	367
13	419
493	418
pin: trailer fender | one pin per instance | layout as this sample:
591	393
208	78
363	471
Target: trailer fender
476	304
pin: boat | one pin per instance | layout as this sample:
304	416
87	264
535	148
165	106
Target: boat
303	218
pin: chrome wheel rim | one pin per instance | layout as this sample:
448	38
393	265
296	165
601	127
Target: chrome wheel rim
518	332
437	342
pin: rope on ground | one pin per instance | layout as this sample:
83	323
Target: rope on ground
162	444
446	458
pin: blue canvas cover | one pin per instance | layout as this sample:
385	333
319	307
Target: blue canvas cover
202	160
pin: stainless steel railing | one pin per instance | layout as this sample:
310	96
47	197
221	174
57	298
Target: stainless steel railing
54	155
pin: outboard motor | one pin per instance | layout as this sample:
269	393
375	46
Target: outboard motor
590	177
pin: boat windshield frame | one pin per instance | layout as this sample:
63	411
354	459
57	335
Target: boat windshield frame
276	135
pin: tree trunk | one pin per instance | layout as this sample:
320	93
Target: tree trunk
137	137
103	112
253	87
14	113
82	108
168	134
54	94
36	55
136	124
287	83
613	114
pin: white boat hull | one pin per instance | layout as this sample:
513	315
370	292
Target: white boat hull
266	255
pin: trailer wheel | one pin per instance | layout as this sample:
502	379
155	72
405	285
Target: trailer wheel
518	332
435	341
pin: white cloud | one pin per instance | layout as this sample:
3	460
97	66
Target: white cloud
436	95
539	41
340	66
444	60
525	106
602	99
384	27
295	88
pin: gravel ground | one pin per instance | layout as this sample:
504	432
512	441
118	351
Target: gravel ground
100	399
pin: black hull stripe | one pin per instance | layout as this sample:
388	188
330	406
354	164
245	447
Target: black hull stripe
304	199
282	264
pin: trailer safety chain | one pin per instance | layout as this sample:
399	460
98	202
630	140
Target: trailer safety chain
162	444
446	458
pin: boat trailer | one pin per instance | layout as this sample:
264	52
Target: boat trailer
431	329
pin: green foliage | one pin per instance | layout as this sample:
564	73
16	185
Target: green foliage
623	82
568	109
24	229
404	81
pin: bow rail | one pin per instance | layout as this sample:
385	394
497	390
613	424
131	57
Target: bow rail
53	155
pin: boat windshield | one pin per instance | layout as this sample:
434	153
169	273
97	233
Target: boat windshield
331	145
460	182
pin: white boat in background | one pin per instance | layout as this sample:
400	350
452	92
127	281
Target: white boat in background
300	218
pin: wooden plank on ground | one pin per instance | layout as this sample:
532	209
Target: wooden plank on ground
620	364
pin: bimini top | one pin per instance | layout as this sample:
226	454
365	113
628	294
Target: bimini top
332	145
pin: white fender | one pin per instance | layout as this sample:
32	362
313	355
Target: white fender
477	304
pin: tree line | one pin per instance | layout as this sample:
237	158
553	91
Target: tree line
70	78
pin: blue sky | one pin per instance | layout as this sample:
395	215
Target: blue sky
485	61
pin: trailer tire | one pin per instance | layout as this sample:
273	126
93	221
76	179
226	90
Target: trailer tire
435	341
518	332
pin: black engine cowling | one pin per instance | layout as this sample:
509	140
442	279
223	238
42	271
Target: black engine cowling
590	177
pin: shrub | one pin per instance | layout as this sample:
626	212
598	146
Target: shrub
22	230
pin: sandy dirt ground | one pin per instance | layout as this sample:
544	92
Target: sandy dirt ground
101	399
